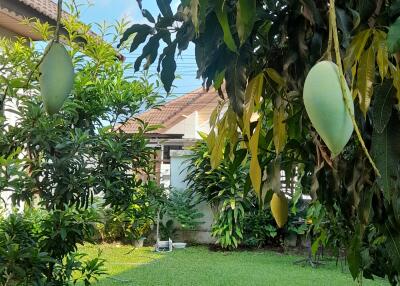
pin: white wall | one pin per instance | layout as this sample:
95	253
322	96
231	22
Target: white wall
179	168
187	127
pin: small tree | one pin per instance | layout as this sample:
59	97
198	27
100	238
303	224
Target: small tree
60	162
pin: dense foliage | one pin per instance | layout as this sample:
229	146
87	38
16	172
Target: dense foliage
239	219
57	164
263	51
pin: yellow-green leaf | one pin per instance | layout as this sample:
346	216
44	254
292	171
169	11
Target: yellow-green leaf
276	77
382	57
365	79
279	131
211	140
356	48
252	98
255	169
194	10
218	150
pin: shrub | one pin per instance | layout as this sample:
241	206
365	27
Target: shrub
28	252
181	206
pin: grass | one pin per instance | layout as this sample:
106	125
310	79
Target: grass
199	266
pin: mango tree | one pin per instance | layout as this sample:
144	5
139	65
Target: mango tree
262	51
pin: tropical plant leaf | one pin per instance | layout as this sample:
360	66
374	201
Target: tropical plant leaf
354	256
279	127
382	58
217	152
252	101
393	247
141	30
276	77
168	67
383	103
150	51
255	169
165	8
222	15
393	37
245	19
236	80
395	71
385	150
344	25
194	11
356	48
365	79
148	16
219	79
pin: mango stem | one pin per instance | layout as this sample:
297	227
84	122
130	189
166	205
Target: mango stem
334	33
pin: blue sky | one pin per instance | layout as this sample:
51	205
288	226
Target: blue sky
112	10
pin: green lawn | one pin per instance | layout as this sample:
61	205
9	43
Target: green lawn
199	266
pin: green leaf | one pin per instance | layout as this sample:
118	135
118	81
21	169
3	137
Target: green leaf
150	51
219	78
354	255
382	110
245	19
148	16
222	15
393	37
365	79
279	127
168	67
393	247
236	80
165	8
142	31
385	150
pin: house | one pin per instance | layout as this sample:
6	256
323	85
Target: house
13	12
181	119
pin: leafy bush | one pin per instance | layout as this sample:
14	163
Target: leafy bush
238	217
28	256
223	188
181	206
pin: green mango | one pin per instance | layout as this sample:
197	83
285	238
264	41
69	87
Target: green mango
56	77
325	106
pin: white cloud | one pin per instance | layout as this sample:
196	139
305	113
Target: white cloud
132	14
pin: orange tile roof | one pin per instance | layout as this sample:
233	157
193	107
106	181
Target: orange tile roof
45	7
173	111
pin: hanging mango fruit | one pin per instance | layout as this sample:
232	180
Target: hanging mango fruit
279	209
323	100
56	77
